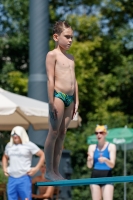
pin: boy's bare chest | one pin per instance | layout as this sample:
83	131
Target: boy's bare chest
64	64
42	189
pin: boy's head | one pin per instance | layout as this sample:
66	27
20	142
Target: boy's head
43	168
60	26
62	35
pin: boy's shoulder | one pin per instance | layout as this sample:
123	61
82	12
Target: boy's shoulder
36	179
51	54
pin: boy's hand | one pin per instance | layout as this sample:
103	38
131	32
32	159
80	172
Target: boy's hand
34	195
52	112
75	110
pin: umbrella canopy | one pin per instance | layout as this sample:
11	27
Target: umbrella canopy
116	135
23	111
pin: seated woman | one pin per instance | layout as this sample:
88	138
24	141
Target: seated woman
44	192
101	157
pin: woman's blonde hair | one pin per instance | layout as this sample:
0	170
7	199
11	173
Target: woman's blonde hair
102	128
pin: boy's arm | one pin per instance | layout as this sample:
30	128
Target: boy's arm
49	193
34	181
76	99
76	95
50	67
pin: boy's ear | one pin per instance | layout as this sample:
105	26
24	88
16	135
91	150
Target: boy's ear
55	37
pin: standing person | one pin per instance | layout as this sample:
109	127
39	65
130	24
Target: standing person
62	94
44	192
19	153
102	158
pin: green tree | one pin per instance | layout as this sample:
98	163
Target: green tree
14	46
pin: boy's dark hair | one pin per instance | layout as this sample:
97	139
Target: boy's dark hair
59	27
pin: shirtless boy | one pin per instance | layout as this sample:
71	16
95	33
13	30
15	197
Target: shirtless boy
44	192
62	94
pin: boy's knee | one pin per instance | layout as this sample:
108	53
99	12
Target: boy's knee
55	133
62	133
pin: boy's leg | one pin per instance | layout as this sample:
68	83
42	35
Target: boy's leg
12	189
51	139
61	136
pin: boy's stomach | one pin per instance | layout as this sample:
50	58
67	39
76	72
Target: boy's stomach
65	87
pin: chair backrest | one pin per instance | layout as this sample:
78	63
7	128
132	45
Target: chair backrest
3	191
2	185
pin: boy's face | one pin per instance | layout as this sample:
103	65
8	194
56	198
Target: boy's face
64	40
43	168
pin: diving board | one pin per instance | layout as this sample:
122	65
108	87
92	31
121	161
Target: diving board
88	181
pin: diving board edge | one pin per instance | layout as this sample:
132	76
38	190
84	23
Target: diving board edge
88	181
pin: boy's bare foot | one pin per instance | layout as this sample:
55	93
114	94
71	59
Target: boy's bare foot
54	177
60	176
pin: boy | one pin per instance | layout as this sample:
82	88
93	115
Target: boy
45	192
62	94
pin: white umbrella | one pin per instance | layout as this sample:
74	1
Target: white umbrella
23	111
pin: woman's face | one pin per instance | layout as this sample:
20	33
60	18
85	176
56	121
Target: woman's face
100	134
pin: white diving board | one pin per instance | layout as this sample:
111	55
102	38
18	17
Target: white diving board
88	181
